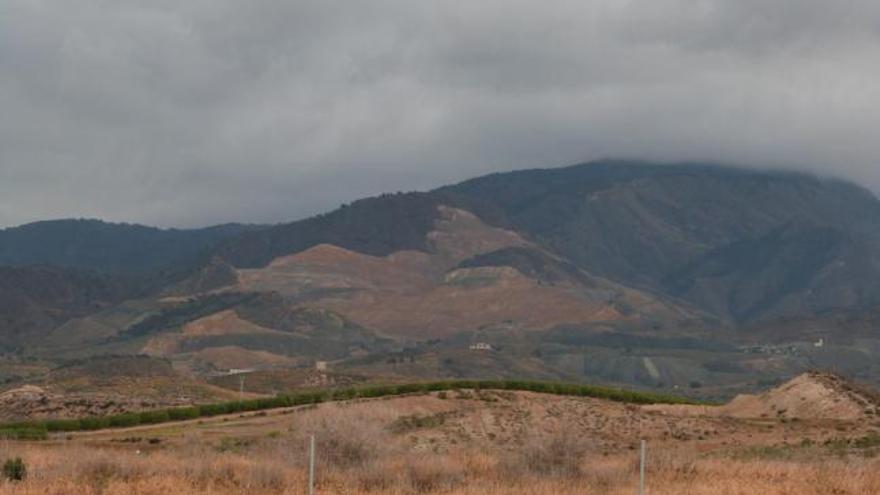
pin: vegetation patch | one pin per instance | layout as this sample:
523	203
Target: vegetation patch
414	422
14	469
24	431
37	430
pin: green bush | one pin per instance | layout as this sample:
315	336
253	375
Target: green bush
344	394
124	420
14	469
95	423
215	409
154	417
36	431
64	425
182	413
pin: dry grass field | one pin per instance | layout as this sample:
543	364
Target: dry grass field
88	470
465	442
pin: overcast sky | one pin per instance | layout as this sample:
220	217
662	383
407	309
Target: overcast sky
185	113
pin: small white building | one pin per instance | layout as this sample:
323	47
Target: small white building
481	346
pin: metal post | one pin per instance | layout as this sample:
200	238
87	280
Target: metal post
312	466
642	471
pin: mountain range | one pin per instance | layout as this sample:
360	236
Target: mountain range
663	275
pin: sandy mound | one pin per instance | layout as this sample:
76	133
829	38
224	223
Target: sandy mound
808	396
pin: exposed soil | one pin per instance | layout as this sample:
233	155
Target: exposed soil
409	290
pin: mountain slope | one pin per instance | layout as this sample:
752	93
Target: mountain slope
450	286
742	244
662	275
108	247
34	300
375	226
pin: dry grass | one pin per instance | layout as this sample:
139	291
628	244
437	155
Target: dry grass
68	469
558	456
525	445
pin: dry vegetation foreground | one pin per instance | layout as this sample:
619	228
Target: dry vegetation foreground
462	442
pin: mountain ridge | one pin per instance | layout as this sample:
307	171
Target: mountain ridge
120	248
658	275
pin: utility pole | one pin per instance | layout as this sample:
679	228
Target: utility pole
642	470
240	388
312	466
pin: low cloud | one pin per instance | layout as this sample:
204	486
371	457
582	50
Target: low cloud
197	112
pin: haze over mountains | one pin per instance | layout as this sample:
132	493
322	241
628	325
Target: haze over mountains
658	275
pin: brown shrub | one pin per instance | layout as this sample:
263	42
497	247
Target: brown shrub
343	439
265	478
431	473
375	478
558	455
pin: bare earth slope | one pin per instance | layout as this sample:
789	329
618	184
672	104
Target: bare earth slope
425	294
809	396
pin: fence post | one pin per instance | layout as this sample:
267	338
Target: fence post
312	466
642	470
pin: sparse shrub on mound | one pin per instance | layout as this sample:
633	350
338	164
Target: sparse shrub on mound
342	443
413	422
345	439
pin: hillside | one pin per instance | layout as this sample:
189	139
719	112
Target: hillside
36	299
745	245
107	247
105	385
688	276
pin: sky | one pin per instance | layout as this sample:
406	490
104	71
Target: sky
193	112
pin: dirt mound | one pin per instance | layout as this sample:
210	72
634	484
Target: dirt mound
809	396
32	402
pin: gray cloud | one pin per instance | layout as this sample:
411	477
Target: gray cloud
188	113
